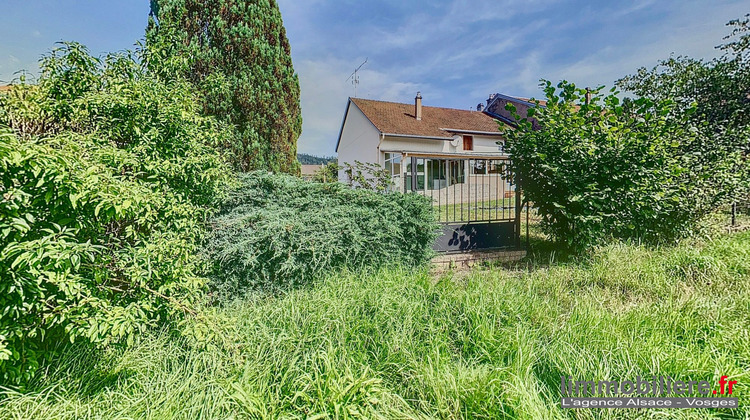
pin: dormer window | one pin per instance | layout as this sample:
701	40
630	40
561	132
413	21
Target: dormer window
468	143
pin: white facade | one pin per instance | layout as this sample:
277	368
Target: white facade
359	139
481	145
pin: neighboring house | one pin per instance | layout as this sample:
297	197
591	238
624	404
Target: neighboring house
5	88
308	171
423	147
496	108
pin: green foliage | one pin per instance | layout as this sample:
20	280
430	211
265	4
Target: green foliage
306	159
715	93
490	344
107	175
236	53
605	169
328	173
367	175
279	231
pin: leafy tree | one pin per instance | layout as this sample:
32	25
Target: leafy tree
237	54
107	177
718	90
603	169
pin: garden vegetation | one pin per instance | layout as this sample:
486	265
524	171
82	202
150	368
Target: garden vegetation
279	231
599	168
602	169
141	276
108	175
395	343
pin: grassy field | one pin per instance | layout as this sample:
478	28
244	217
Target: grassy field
491	344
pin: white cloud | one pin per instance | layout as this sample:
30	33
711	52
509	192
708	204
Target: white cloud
459	51
677	34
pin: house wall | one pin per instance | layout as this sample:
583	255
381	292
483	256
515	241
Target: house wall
485	144
359	140
482	144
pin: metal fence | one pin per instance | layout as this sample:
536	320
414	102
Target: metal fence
464	190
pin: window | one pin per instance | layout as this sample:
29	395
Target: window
436	174
393	163
419	171
468	143
397	165
457	171
393	166
496	166
501	147
479	167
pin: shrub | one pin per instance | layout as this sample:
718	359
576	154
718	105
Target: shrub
368	176
278	231
605	169
107	176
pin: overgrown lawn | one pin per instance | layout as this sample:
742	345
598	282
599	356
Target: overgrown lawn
492	343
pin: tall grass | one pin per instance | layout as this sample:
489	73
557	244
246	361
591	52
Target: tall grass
393	344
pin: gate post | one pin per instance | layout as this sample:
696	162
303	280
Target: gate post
414	174
519	210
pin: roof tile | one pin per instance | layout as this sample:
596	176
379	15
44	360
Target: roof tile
398	118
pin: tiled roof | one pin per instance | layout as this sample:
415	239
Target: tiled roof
310	169
398	118
5	88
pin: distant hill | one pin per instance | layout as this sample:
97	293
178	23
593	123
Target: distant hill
306	159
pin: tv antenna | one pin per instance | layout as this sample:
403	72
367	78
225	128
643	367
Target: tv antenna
355	77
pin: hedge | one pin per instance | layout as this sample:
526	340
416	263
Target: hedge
279	231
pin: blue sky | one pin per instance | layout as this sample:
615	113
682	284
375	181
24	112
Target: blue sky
456	52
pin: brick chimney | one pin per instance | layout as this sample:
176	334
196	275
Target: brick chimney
418	106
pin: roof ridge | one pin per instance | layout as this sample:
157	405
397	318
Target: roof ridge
411	104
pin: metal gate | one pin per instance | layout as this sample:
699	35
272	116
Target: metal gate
474	199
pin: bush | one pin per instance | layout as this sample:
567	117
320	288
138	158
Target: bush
278	231
107	177
605	169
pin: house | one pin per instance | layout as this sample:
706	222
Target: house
426	148
454	157
308	171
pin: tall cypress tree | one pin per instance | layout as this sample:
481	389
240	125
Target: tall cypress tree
237	55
